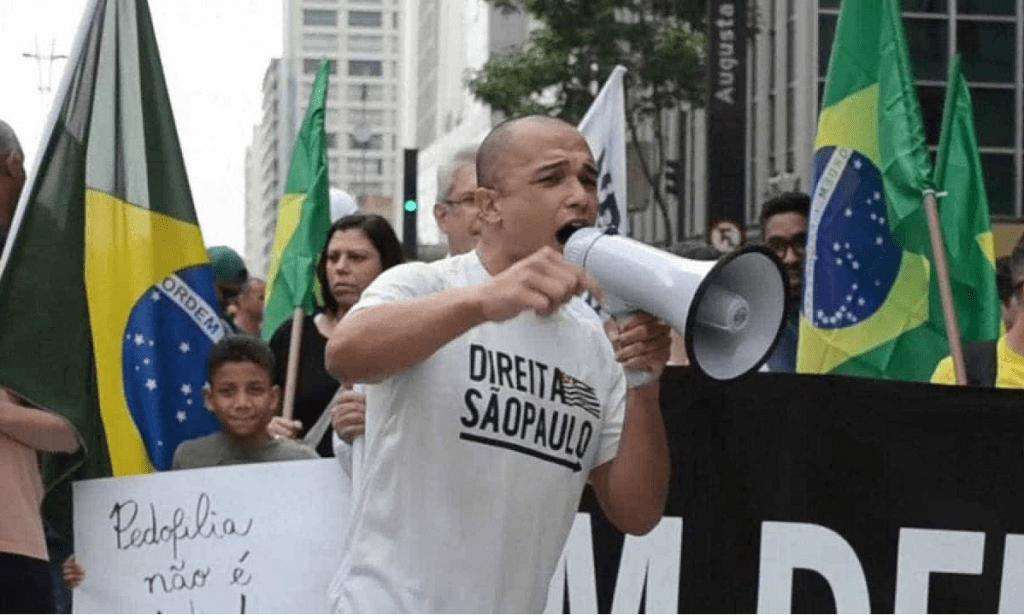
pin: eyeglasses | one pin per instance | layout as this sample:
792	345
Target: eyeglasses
468	200
780	245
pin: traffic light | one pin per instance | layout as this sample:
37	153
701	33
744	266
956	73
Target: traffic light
410	206
673	179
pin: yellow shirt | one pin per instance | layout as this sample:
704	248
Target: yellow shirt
1009	368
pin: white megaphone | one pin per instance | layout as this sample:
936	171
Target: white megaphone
730	312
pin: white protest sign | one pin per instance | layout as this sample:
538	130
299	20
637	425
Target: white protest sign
253	538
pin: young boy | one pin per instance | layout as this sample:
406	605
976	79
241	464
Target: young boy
243	396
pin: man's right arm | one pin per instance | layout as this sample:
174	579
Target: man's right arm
374	343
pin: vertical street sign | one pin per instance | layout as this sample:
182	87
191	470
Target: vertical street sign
726	116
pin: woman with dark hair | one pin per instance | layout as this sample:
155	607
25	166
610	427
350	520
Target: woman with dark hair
359	247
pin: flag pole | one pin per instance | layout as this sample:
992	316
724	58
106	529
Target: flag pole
956	350
292	373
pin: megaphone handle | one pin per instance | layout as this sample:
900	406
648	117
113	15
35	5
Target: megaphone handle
619	310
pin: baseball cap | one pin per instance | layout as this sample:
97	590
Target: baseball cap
228	267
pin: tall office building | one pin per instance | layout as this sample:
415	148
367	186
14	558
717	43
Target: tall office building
363	40
265	171
447	40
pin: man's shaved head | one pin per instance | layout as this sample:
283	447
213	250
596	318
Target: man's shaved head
501	139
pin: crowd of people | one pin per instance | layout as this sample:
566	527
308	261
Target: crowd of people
475	382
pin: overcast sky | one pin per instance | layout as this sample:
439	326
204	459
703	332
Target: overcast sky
214	54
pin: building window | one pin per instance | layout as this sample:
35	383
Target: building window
991	116
365	19
372	43
311	65
374	93
988	50
376	142
999	183
989	7
332	140
365	68
319	17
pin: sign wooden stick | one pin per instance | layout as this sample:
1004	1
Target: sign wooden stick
956	350
292	373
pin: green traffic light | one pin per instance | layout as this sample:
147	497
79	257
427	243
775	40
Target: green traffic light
410	206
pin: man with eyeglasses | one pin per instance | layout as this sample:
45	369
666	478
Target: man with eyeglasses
784	226
455	211
998	363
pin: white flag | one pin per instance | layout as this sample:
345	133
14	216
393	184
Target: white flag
604	126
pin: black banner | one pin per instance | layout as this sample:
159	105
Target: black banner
727	112
806	493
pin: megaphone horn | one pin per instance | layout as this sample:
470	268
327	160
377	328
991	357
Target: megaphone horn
730	312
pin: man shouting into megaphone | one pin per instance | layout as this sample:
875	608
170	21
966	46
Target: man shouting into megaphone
492	403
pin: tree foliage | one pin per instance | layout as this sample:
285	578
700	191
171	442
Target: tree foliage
579	42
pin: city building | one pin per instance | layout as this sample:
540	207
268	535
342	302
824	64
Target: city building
787	64
266	168
789	61
447	41
362	39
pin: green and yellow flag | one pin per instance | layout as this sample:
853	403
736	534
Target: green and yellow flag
303	217
107	299
964	212
870	305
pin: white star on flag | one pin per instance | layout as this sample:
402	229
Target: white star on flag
151	384
186	389
155	296
145	361
184	347
140	339
181	416
857	164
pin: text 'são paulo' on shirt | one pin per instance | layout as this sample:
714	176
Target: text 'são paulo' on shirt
475	459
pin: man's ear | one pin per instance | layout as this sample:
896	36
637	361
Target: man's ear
440	214
486	201
207	397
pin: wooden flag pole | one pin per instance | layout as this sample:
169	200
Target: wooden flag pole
956	349
292	373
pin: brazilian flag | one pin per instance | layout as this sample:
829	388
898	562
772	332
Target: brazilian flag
303	217
871	306
106	294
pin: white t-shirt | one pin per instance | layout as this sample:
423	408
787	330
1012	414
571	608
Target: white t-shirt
475	459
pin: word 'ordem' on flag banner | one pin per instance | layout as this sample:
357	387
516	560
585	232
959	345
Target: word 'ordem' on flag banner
105	287
870	305
303	216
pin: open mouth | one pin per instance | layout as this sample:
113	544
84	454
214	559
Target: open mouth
568	229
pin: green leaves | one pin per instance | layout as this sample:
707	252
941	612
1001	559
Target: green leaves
579	43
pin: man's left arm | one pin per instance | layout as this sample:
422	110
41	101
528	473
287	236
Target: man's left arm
37	429
633	486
